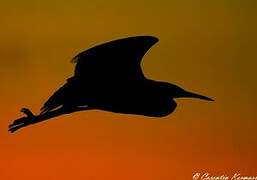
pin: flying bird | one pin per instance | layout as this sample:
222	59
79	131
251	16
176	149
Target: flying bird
109	77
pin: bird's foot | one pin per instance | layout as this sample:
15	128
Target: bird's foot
27	112
21	122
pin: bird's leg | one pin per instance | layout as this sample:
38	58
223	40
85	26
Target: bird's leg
30	118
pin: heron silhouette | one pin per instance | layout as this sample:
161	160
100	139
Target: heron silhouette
109	77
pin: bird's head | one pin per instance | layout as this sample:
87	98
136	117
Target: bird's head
177	92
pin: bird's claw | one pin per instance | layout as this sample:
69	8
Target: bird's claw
27	112
21	122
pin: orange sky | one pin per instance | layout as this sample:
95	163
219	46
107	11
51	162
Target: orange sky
205	46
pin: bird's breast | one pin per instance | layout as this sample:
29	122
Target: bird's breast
140	104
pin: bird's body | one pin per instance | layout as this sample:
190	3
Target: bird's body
142	98
109	77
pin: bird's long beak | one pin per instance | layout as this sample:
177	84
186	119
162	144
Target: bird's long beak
194	95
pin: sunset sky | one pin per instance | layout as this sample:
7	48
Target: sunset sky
206	46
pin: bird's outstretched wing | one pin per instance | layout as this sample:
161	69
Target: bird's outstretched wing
114	62
104	67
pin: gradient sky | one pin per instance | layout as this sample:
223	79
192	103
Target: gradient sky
206	46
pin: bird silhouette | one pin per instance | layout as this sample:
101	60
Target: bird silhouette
109	77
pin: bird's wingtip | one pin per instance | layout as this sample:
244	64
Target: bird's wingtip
152	38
